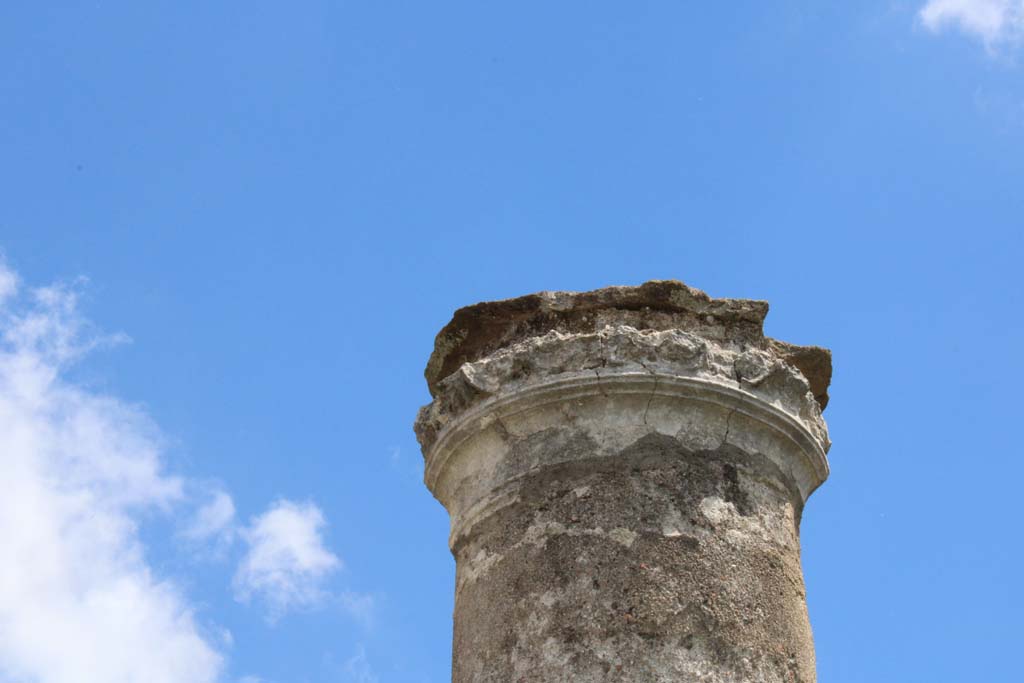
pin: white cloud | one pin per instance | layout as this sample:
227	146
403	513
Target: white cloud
214	520
78	601
286	563
8	284
994	22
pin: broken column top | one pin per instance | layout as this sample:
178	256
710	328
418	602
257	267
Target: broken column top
658	358
479	330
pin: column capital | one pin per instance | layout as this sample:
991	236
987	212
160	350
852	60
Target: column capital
659	358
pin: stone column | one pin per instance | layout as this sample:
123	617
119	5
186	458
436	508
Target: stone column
625	471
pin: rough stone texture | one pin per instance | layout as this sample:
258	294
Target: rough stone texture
625	472
478	330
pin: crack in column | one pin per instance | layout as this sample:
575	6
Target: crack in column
728	420
735	407
502	429
650	398
728	425
604	364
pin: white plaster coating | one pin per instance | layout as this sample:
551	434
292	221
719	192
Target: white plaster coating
538	535
468	466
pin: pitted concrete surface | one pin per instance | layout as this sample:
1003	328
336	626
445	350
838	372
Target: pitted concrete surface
625	486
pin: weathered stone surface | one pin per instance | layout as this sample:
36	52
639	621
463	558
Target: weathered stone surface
482	328
756	367
625	472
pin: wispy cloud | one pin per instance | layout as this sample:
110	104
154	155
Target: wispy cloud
8	283
408	468
359	606
286	563
357	668
78	601
994	22
214	521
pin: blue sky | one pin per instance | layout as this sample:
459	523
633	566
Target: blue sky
231	231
